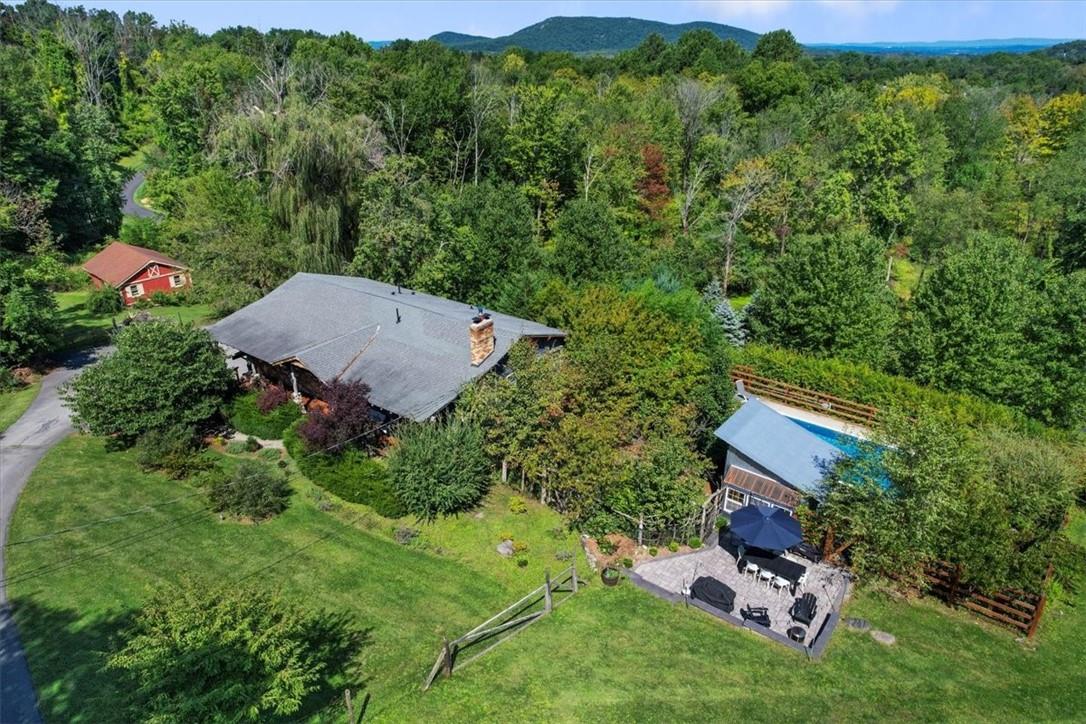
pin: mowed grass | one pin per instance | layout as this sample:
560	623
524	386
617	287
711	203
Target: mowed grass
605	655
13	404
81	328
70	611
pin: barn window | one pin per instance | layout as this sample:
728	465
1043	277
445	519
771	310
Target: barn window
177	280
135	290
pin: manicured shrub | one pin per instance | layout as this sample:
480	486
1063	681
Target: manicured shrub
106	300
653	551
245	416
505	536
694	542
270	398
344	417
517	506
162	374
673	546
201	652
627	563
252	444
520	547
352	475
522	561
175	451
254	490
723	524
440	469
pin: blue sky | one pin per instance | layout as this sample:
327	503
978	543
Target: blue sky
812	21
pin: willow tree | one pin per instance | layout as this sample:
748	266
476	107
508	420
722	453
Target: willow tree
309	160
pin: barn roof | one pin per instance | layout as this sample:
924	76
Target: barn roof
410	348
119	262
784	448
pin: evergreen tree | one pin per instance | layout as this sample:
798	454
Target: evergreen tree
730	322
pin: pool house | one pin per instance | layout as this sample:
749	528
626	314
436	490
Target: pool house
773	459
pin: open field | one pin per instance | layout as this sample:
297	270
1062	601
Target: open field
81	328
13	404
607	655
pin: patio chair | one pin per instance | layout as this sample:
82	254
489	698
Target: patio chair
781	584
752	568
767	578
757	614
804	609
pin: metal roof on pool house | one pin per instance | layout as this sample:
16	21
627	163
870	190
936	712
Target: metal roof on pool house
795	455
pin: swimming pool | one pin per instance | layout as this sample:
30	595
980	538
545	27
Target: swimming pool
847	444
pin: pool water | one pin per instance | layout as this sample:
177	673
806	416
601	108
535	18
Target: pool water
847	444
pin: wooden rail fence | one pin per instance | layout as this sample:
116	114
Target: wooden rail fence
1021	610
505	624
804	398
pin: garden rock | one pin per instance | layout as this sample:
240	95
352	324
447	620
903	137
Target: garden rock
505	548
886	639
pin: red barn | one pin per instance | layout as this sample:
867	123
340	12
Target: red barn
137	272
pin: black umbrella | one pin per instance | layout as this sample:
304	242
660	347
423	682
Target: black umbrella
771	529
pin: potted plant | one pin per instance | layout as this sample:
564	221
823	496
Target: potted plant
610	576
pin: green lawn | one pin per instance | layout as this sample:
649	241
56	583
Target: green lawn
81	328
606	655
14	404
137	159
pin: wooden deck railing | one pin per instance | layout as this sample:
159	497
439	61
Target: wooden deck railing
803	398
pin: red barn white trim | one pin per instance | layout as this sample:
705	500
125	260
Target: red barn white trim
137	272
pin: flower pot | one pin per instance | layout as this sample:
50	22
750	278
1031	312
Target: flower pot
610	576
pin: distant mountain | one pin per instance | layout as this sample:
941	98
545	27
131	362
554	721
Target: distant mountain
943	47
590	35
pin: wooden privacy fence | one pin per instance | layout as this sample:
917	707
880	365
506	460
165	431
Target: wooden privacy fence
1021	610
803	398
506	623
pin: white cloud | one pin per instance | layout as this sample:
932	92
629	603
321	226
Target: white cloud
736	9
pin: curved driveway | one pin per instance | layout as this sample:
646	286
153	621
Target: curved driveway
132	207
45	423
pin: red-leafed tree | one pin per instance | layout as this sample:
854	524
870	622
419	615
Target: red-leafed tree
344	417
653	182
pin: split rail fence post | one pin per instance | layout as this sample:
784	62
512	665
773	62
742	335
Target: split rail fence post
641	530
447	666
547	591
573	570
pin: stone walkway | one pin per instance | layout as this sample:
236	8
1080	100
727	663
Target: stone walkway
676	573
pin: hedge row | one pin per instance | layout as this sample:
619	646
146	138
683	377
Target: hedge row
860	383
246	417
352	475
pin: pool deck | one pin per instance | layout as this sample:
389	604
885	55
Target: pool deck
830	423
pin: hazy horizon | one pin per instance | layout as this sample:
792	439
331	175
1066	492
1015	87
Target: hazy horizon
813	21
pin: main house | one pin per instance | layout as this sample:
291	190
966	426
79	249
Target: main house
136	272
415	351
771	459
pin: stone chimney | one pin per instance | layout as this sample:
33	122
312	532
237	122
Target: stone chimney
481	336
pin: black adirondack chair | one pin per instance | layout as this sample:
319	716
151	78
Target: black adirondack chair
804	609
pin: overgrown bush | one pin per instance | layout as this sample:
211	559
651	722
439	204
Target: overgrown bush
175	451
860	383
8	380
105	300
440	469
352	475
517	506
344	417
606	546
202	652
254	490
162	374
246	416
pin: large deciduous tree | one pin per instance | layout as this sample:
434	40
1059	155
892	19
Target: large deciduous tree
827	295
162	374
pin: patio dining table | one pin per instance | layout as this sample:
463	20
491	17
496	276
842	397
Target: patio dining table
776	564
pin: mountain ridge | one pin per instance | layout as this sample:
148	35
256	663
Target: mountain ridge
590	35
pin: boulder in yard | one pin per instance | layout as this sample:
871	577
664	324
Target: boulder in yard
505	548
886	639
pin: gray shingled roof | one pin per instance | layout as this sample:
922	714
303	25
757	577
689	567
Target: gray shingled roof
346	326
784	448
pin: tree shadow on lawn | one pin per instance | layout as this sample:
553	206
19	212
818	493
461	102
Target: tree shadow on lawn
68	657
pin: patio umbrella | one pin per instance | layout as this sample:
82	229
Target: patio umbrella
771	529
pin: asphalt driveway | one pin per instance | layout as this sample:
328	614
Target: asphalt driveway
45	423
